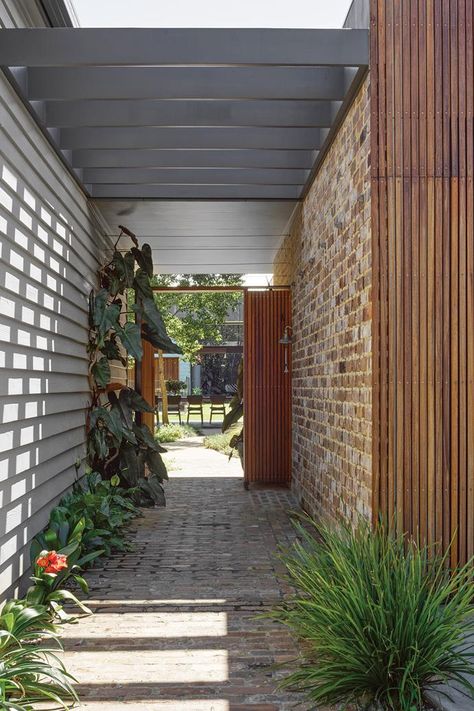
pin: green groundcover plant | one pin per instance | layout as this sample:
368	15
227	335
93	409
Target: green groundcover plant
30	670
380	620
87	523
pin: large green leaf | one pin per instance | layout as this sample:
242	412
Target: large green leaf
166	345
144	258
155	322
130	336
111	349
104	316
122	404
129	268
156	464
141	284
97	444
101	372
137	402
144	436
152	487
97	303
116	425
131	464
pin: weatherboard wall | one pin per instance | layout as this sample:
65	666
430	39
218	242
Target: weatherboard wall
50	249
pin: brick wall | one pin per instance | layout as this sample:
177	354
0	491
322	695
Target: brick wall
327	258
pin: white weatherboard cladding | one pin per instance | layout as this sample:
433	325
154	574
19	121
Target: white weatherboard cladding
50	248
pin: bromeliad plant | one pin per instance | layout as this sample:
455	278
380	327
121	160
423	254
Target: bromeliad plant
380	619
118	443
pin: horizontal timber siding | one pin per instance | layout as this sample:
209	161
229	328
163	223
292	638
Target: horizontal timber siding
423	248
50	250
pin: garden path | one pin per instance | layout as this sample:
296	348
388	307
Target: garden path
174	625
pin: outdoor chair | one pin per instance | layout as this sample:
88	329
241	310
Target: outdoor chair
217	406
174	406
195	407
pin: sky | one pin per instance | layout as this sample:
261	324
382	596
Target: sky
211	13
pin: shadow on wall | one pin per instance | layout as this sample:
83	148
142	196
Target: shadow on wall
43	387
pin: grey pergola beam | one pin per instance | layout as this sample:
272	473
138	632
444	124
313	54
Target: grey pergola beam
192	138
253	176
310	83
151	46
188	113
217	158
196	192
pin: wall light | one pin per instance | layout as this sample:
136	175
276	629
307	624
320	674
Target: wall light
286	341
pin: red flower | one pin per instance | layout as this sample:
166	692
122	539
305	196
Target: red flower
52	562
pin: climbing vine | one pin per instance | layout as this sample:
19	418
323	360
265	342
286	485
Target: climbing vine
119	445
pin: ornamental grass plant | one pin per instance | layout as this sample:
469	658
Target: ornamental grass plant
30	670
379	619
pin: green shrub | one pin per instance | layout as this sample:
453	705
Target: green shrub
173	432
379	619
219	442
86	524
175	387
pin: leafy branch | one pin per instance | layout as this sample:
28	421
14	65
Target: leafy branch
118	443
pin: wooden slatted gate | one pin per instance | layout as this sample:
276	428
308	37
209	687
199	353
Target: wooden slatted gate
267	387
422	85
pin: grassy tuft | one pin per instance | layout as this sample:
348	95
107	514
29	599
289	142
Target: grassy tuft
219	442
379	619
173	432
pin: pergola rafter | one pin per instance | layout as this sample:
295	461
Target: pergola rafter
188	113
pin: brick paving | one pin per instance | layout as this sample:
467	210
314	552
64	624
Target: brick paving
174	625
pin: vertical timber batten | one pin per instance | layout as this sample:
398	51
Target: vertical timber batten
267	387
422	164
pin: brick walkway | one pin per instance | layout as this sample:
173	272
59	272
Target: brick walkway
174	623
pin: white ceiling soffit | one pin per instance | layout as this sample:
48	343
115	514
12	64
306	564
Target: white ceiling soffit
205	237
193	115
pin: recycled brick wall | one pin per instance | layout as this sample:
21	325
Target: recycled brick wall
327	259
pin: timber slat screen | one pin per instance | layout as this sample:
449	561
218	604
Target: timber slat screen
267	387
423	250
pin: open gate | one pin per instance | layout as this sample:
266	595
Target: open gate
267	386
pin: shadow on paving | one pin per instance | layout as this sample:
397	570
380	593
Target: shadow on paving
175	624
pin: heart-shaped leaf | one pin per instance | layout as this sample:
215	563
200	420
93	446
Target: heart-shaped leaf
130	335
156	464
129	269
101	372
144	259
141	283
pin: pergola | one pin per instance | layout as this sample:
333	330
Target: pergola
201	140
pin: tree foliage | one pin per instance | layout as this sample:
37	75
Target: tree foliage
194	318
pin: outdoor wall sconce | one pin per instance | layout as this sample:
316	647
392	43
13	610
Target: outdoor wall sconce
286	341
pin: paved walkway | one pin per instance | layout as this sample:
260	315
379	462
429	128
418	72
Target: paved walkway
174	625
